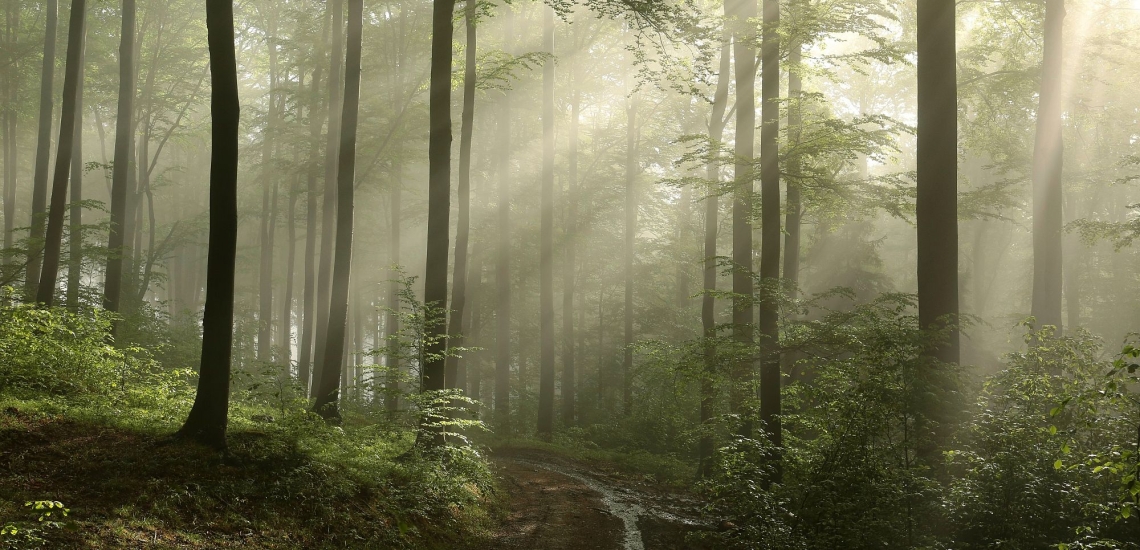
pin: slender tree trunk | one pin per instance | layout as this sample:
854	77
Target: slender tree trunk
632	168
268	208
207	420
124	134
392	322
455	336
745	56
304	361
936	208
439	201
11	114
53	242
569	383
43	152
1048	161
503	260
770	377
706	446
328	210
793	211
546	252
286	343
327	395
75	239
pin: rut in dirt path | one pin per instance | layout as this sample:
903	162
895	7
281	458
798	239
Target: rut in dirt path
560	505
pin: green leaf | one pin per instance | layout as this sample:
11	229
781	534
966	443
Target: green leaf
1058	465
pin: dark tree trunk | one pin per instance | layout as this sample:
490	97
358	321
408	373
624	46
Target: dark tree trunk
11	114
304	361
546	252
120	172
75	239
207	420
631	172
936	209
268	209
717	122
745	56
328	209
770	378
503	259
53	241
455	336
327	394
793	211
392	322
439	200
1048	161
43	152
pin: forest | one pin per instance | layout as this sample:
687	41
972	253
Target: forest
570	274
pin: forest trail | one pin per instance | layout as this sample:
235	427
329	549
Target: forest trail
559	504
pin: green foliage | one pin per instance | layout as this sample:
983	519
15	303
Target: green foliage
15	535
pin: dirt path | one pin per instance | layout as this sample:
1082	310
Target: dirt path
556	504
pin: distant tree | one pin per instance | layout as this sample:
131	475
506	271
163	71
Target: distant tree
327	392
632	169
43	152
1048	160
744	48
304	360
770	377
546	238
53	240
10	122
269	186
207	420
124	124
75	238
503	254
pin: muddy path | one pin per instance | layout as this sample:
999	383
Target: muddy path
559	504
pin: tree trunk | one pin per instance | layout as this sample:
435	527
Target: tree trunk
794	209
936	204
53	241
304	360
631	172
455	336
569	384
268	209
43	153
328	210
745	55
1048	161
770	378
503	259
11	114
207	420
75	239
546	252
392	322
439	204
706	446
286	341
124	133
327	394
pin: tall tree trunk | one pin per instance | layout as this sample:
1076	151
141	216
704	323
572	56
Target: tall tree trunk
546	252
286	342
43	152
207	420
327	395
11	114
744	39
717	122
569	384
770	378
455	336
268	208
328	209
53	242
936	208
631	172
124	138
503	259
1048	161
392	321
75	239
793	211
304	361
439	202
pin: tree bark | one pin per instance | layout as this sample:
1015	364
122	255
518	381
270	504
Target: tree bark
793	211
630	231
286	342
207	420
53	240
1048	162
43	153
120	172
327	394
936	210
770	377
11	116
304	360
503	259
569	374
75	239
546	236
268	208
392	322
744	38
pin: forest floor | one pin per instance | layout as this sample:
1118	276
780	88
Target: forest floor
559	503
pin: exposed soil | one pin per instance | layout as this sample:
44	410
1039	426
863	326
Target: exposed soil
559	504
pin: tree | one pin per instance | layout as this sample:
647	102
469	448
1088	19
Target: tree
327	392
569	373
124	124
793	210
1048	160
269	186
439	196
632	167
770	377
53	240
207	420
546	252
304	360
503	254
75	239
9	123
744	53
936	203
43	147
